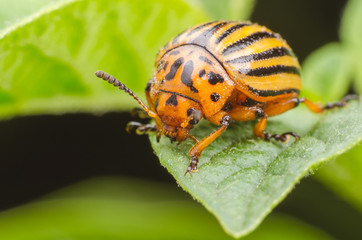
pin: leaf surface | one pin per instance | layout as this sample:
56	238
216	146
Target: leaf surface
48	60
227	9
241	179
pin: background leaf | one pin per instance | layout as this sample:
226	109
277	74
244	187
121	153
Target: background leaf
227	9
49	68
344	177
351	34
241	179
335	65
83	212
12	12
327	73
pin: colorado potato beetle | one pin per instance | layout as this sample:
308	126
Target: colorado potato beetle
221	71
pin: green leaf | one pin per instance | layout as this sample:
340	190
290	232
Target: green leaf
351	34
227	9
47	61
327	73
129	209
241	179
344	177
15	10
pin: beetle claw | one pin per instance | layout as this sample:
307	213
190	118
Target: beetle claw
281	137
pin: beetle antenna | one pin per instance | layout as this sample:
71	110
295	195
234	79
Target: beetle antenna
112	80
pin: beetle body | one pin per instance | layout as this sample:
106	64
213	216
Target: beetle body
221	71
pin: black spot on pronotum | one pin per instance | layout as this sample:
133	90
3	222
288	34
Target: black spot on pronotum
156	103
165	66
215	78
193	89
186	75
205	59
202	73
174	67
148	86
215	97
172	100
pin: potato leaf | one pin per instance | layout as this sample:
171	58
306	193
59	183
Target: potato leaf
241	178
47	61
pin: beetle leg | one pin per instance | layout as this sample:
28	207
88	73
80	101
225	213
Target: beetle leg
259	132
318	109
196	150
140	128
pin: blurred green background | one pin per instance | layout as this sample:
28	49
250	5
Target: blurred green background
81	176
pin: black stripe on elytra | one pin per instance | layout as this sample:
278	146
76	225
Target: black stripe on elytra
272	70
247	41
205	36
196	29
172	100
174	52
175	66
269	93
179	94
214	78
270	53
230	31
205	59
186	75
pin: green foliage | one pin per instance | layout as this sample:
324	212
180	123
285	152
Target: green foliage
83	212
227	9
241	179
13	11
48	68
343	176
328	73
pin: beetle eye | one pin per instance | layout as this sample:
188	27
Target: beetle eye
196	115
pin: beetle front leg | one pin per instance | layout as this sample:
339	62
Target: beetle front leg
139	113
196	150
140	128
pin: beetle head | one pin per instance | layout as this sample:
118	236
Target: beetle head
177	115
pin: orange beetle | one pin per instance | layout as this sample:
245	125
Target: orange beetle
221	71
